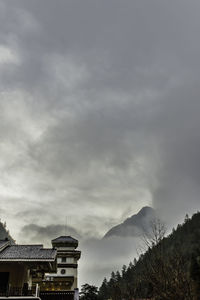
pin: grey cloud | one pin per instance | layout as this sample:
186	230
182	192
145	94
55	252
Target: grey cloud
99	111
100	257
44	234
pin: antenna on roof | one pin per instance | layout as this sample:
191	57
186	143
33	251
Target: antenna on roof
66	225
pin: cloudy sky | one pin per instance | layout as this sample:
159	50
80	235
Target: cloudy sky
99	113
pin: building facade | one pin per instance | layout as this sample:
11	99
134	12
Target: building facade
66	277
25	269
20	264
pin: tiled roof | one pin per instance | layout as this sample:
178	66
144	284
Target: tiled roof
3	243
27	252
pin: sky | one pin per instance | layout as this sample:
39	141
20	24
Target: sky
99	114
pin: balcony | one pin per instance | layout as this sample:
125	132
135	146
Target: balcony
19	292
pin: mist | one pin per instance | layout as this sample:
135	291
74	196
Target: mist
99	115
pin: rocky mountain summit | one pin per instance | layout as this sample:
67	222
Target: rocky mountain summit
135	225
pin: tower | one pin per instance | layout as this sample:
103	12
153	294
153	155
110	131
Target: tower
67	265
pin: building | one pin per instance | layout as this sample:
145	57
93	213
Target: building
66	277
32	270
19	264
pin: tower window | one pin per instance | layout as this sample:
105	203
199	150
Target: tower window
63	271
63	259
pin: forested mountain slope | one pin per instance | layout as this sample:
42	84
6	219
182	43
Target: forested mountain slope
4	233
168	269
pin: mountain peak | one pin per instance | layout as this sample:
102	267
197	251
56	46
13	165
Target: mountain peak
145	211
134	225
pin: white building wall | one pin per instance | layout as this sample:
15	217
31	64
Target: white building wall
68	272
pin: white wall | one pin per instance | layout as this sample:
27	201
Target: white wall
68	272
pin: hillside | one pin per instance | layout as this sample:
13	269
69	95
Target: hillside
4	233
135	225
169	269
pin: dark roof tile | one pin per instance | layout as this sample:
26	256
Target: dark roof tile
4	243
29	252
65	239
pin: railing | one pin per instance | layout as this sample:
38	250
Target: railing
16	291
57	295
44	295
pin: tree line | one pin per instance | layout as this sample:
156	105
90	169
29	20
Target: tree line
167	267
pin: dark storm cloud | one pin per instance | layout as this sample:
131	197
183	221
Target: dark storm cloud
37	233
99	110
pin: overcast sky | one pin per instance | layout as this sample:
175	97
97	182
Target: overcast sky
99	113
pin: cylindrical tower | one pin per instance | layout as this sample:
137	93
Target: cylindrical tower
66	277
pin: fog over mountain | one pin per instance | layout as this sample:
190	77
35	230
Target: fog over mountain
99	113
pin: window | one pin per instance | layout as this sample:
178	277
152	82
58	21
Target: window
68	260
63	271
